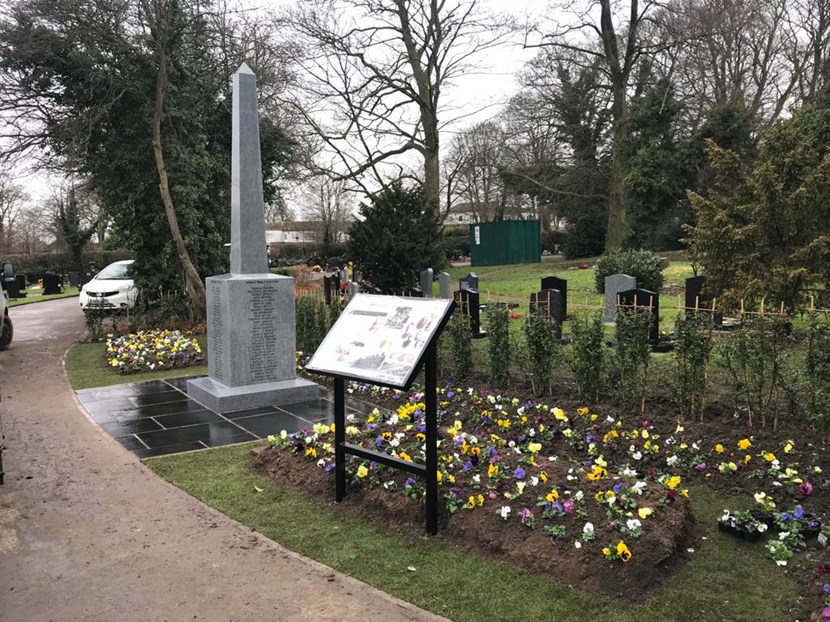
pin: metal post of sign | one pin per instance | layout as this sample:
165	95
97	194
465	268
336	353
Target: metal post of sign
339	438
431	403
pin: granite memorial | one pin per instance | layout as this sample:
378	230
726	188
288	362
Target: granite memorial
250	312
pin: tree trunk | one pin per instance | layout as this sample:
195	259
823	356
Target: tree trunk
192	282
617	232
432	171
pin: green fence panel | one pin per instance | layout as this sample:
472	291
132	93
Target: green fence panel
505	242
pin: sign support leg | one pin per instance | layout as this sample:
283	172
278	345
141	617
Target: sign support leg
339	438
431	402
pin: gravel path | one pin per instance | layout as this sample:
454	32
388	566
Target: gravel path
87	533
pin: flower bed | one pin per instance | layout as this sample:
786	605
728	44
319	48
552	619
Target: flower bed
555	492
596	499
152	350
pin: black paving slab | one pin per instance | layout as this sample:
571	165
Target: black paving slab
156	418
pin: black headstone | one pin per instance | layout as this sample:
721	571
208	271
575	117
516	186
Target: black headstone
74	278
696	300
469	282
548	302
643	299
469	305
554	282
52	284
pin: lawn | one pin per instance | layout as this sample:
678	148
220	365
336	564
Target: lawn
35	294
727	579
515	283
86	367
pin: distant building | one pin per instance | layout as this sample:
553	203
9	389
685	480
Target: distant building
291	232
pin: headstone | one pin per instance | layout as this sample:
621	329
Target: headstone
444	290
74	278
52	284
250	312
469	282
615	284
696	300
426	282
548	302
413	292
554	282
469	304
344	275
643	299
331	288
354	289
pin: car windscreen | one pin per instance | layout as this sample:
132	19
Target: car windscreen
114	271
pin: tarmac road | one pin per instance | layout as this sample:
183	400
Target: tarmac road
87	533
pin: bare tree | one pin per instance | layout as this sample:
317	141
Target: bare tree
736	51
611	32
12	199
374	74
328	203
478	154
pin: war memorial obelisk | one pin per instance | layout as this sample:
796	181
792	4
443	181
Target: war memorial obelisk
250	312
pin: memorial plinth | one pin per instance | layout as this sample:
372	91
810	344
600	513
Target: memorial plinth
251	345
250	312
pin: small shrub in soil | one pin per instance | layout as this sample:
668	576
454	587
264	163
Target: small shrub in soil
631	358
587	358
693	347
461	341
498	345
540	348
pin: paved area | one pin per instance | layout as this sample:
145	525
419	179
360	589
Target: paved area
87	533
157	418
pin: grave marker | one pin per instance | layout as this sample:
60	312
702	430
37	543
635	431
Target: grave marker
469	304
444	289
615	284
548	302
554	282
426	282
469	282
643	299
696	300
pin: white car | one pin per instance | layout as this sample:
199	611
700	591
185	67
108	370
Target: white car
111	289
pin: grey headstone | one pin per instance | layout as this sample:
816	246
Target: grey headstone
469	282
426	282
344	275
250	312
444	290
248	247
354	289
615	284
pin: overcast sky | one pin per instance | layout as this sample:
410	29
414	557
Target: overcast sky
480	94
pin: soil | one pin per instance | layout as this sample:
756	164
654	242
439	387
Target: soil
664	547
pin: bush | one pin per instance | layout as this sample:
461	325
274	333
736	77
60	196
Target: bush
397	232
540	348
693	346
498	344
817	370
587	355
754	358
643	265
586	237
461	342
631	357
553	240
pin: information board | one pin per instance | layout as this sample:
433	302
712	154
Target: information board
381	339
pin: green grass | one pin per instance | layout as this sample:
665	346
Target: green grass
726	580
517	282
86	367
34	294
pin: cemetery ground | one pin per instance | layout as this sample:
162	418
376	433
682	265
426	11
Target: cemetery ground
625	473
34	293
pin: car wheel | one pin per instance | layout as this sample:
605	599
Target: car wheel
8	333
